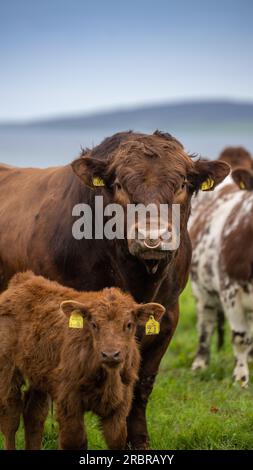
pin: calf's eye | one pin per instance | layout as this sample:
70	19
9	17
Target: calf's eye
129	325
93	325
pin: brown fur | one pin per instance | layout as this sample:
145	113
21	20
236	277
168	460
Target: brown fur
36	212
237	157
37	344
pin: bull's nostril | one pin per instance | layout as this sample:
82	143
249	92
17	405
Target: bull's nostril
104	355
116	354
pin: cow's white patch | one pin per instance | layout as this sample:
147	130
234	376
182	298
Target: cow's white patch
210	284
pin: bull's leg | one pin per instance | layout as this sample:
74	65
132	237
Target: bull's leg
72	435
10	412
115	432
36	405
207	318
241	334
152	353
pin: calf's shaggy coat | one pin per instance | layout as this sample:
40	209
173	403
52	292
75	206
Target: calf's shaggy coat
91	368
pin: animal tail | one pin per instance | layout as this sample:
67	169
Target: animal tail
220	329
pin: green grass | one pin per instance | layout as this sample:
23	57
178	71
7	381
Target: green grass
187	411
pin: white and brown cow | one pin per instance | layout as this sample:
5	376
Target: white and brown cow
222	267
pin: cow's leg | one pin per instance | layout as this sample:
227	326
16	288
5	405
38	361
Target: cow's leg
152	353
207	319
72	435
241	334
250	323
10	412
115	432
36	405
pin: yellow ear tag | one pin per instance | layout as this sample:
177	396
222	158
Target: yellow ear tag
76	319
207	185
152	326
242	185
97	181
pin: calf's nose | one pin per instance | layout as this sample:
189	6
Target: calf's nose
111	356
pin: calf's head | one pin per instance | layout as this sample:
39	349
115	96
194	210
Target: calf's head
150	169
112	317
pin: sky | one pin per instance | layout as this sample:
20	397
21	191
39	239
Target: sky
60	57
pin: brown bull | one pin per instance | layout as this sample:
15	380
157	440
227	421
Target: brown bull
36	232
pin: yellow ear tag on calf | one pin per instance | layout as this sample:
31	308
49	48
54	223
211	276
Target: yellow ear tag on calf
242	185
207	185
152	326
97	181
76	319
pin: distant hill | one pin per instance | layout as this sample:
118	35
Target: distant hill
162	116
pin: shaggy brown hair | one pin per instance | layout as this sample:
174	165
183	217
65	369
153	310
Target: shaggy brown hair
90	368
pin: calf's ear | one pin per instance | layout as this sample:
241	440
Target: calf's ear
91	171
243	178
70	306
144	311
206	175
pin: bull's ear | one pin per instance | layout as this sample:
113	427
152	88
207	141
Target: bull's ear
243	178
206	175
91	171
69	307
144	311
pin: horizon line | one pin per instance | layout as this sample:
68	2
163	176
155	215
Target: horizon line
37	119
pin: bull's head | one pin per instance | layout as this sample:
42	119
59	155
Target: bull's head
150	169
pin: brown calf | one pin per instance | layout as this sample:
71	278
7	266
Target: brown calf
91	367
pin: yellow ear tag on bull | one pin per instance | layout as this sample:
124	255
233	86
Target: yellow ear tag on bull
242	185
76	319
207	185
97	181
152	326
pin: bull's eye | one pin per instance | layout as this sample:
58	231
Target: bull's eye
182	186
117	186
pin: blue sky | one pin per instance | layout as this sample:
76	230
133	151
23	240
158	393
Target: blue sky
71	56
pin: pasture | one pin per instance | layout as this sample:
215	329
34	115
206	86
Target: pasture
187	411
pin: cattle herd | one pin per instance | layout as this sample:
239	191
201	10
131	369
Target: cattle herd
84	323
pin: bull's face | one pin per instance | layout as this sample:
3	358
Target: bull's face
112	318
152	170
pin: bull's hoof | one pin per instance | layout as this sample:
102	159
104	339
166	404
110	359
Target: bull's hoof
199	363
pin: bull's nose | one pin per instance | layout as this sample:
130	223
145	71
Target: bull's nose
153	240
111	356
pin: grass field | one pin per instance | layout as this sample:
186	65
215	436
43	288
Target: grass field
186	410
